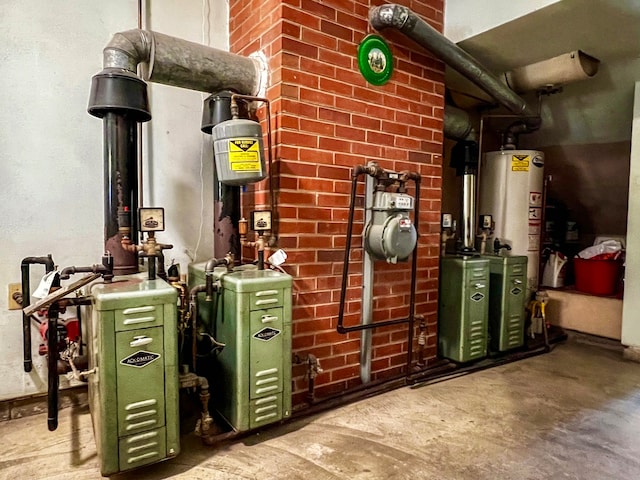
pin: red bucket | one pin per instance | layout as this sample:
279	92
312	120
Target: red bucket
597	277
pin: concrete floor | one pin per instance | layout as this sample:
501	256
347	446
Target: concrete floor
570	414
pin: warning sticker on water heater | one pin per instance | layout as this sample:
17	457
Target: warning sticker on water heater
520	163
244	155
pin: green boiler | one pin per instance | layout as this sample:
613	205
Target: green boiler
252	374
463	308
133	391
507	301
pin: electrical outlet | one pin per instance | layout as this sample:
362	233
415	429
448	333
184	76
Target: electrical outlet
14	288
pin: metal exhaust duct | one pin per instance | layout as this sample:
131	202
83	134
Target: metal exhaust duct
180	63
457	124
553	72
119	97
407	22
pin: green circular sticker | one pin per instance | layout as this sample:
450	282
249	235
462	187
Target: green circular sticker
375	60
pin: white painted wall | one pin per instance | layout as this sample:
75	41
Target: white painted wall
466	18
631	305
51	198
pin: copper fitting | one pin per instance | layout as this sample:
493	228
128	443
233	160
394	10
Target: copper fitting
150	247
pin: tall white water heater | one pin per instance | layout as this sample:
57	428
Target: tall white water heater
511	183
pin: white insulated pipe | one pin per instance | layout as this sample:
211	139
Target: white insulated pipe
553	72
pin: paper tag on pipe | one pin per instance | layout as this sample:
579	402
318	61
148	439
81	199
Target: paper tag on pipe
45	285
278	258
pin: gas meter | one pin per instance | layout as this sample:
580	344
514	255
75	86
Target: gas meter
391	235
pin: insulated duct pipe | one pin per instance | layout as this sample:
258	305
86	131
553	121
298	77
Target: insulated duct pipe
407	22
457	124
180	63
119	97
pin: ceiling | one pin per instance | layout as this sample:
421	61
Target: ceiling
596	110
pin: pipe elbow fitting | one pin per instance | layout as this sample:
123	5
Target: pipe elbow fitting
389	15
212	263
204	383
127	49
65	273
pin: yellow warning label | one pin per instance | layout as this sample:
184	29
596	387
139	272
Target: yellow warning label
244	155
520	163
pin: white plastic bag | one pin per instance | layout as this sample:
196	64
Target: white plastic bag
609	246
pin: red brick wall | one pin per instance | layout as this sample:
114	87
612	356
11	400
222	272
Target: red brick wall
327	119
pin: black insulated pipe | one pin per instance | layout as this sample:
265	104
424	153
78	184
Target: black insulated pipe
407	22
26	301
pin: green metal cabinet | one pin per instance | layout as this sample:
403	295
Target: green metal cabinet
252	374
133	394
463	308
507	298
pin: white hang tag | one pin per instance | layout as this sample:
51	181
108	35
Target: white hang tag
45	284
278	258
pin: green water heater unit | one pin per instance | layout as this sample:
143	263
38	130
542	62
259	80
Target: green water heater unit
133	392
507	298
463	307
252	374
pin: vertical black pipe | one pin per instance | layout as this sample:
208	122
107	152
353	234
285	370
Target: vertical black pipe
79	317
26	322
120	189
52	363
119	97
26	301
152	267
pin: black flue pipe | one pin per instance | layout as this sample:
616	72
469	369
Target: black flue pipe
226	198
120	99
26	301
120	188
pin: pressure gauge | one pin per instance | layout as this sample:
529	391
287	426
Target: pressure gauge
261	220
151	219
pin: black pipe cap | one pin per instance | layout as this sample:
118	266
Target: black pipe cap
217	109
119	91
